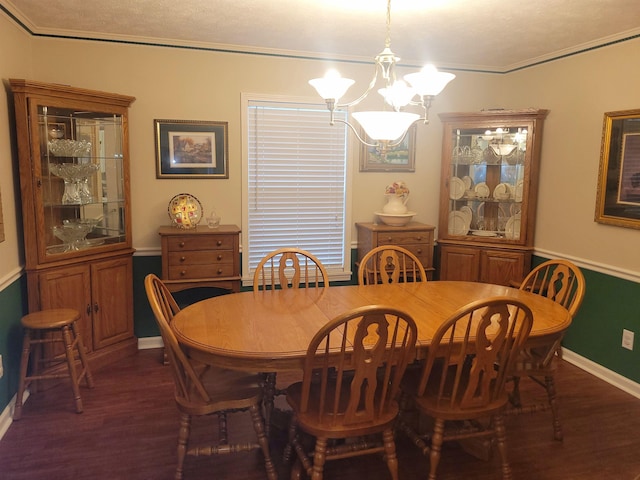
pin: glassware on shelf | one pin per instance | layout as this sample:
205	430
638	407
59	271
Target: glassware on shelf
63	147
76	181
73	234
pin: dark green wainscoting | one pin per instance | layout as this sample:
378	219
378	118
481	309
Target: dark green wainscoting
610	305
13	306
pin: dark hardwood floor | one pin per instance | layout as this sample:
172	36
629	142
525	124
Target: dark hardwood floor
129	427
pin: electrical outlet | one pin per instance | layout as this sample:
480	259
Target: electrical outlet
627	339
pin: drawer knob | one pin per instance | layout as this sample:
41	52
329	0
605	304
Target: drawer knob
219	271
388	239
419	238
182	259
183	273
219	257
219	242
419	251
181	244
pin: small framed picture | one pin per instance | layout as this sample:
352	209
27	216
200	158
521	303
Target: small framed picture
400	158
191	149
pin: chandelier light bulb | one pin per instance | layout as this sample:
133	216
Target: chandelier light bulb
332	85
429	81
397	95
388	126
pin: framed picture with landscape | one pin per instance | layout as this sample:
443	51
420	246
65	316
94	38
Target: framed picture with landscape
618	200
191	149
400	158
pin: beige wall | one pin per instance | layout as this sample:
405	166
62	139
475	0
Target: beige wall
578	90
15	61
196	85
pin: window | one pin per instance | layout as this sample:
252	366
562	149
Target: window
294	181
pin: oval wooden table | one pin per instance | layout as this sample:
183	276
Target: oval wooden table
269	331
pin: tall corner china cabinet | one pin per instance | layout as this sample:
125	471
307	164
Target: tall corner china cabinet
490	163
74	178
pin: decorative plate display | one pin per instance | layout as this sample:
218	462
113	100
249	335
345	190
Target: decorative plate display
458	223
512	228
468	182
502	191
482	189
456	188
185	211
518	191
468	212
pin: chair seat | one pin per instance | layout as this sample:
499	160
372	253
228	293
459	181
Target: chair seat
50	319
324	426
434	406
240	391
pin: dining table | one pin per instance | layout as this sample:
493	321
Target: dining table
269	331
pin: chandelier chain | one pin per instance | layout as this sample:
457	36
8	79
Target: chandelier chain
387	42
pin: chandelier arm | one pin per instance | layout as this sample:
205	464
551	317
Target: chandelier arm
355	131
425	104
372	84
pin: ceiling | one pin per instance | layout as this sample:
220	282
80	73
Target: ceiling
478	35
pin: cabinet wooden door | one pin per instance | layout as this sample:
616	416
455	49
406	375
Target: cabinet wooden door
112	301
101	291
503	267
459	263
69	287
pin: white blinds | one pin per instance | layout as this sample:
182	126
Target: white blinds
295	183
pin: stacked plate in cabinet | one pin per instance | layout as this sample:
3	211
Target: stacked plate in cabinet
459	223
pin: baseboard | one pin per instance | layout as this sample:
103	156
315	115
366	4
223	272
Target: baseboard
6	418
145	343
612	378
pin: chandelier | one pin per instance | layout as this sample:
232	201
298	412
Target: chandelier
388	127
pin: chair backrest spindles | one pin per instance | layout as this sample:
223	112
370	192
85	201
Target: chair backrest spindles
365	350
559	280
289	268
471	354
164	308
390	264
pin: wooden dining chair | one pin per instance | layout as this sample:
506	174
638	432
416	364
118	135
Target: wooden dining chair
463	382
202	390
390	264
564	283
285	268
289	267
351	379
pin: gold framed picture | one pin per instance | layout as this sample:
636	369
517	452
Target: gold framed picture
400	158
618	199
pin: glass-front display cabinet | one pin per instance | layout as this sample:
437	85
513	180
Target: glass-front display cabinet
489	184
74	178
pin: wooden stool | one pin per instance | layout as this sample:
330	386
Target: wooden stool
45	327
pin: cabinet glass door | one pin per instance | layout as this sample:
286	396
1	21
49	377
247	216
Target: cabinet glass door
487	182
82	178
